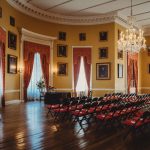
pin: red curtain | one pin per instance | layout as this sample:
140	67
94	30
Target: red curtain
86	53
132	60
87	73
28	63
2	47
76	72
29	50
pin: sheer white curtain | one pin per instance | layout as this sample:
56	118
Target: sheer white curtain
82	88
32	91
1	82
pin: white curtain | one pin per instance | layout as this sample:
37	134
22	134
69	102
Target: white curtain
33	92
1	82
82	88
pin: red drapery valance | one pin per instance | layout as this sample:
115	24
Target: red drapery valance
132	60
86	53
29	50
2	54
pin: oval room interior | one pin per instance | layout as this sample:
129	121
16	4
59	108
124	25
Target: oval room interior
74	74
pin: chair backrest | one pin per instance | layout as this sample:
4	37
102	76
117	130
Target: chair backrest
146	115
87	105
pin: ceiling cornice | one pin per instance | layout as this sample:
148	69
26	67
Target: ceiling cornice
33	11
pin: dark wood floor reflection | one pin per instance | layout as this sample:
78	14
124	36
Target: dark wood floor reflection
26	127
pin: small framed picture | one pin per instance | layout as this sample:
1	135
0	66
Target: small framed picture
103	71
120	54
61	50
103	52
82	36
11	64
120	70
103	36
62	69
62	36
148	50
12	21
0	12
12	40
149	68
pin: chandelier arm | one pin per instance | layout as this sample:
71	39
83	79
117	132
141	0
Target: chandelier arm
131	8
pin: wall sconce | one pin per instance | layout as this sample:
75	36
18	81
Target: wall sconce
20	69
54	71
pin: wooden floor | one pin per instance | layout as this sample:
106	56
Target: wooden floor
26	127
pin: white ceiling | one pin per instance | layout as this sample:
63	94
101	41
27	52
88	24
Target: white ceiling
141	8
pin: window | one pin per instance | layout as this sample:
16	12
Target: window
82	88
33	92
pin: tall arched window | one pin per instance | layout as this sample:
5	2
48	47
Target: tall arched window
82	88
32	91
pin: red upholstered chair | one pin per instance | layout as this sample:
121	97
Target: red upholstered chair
81	114
139	122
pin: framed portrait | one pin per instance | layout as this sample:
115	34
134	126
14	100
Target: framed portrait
120	70
62	69
120	54
61	50
12	40
12	21
103	52
148	50
82	36
103	36
0	12
103	71
11	64
62	36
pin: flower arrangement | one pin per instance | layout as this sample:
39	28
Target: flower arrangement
41	84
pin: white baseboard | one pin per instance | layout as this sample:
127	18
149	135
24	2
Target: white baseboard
12	102
12	91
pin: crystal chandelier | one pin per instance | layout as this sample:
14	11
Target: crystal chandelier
132	40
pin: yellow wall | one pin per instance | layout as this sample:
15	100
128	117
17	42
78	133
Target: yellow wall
145	75
51	29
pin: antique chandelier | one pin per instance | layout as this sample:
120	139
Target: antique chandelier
132	40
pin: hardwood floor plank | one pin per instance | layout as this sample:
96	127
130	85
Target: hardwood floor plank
25	127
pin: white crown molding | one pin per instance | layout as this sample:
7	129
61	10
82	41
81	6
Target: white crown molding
38	13
33	11
36	37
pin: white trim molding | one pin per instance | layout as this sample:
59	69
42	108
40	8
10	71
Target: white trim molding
64	89
12	102
145	88
103	89
12	91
